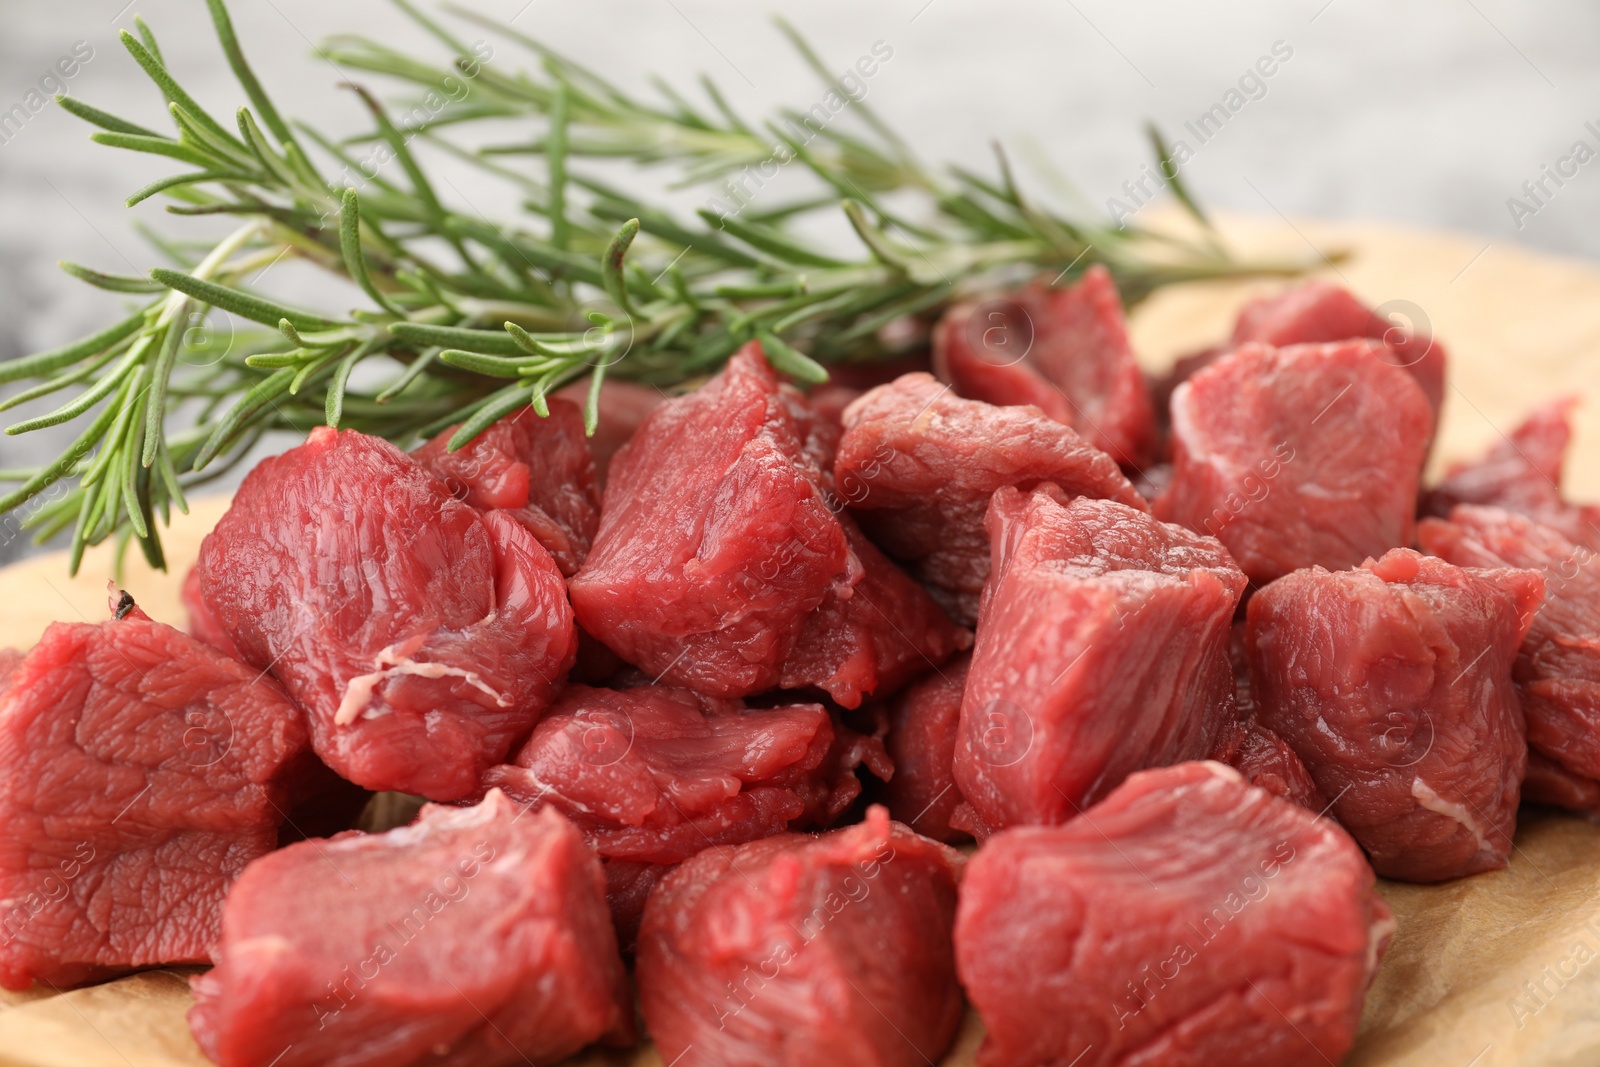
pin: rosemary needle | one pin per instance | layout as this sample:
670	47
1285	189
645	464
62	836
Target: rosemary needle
481	316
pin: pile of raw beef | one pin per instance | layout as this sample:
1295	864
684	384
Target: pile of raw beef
701	706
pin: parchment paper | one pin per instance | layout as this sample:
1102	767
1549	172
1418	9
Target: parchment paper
1499	969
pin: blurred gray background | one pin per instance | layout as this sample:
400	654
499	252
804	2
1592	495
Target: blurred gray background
1431	113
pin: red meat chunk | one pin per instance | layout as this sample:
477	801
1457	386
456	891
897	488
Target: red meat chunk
655	774
918	464
1558	666
1393	684
475	936
537	470
1522	473
1319	312
1312	312
1299	456
804	951
924	722
1187	919
1065	351
1102	649
422	637
142	770
721	566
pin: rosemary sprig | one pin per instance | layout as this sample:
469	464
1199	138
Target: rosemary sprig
478	318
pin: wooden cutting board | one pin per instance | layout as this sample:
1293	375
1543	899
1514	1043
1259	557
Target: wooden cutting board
1499	969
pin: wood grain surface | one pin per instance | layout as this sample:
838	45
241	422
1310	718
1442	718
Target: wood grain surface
1498	969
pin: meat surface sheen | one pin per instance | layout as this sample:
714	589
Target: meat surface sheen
924	722
720	564
1065	351
473	937
422	638
656	774
1102	649
1393	684
918	464
1297	457
1558	666
537	470
1187	920
140	771
799	951
1522	473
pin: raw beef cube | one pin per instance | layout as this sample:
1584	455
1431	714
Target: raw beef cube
1299	456
804	951
1522	473
1317	311
1311	312
924	721
1548	782
1065	351
537	470
718	544
140	770
1558	666
1392	682
655	774
1188	919
423	637
918	464
1102	649
623	406
473	937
